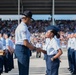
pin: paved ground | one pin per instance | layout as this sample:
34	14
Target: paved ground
37	66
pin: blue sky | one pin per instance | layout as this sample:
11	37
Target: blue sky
41	17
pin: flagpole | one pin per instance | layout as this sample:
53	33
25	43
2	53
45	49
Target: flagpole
18	12
53	9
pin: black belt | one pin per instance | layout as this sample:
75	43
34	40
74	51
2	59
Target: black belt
21	45
52	55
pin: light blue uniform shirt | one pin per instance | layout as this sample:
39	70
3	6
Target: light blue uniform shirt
69	43
52	46
3	42
46	44
72	43
1	45
58	40
9	43
22	33
75	44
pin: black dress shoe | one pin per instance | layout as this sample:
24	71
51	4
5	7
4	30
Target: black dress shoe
6	71
68	68
73	73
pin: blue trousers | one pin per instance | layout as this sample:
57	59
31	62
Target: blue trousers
6	62
72	59
69	57
10	61
1	64
52	66
45	58
75	61
23	54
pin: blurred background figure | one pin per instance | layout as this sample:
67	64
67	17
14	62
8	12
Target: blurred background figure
38	45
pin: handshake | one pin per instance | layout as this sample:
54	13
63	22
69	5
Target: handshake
40	50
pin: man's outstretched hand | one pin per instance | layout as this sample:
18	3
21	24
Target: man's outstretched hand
38	49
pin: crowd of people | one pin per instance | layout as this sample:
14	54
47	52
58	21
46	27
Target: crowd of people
6	52
8	26
38	30
72	53
38	27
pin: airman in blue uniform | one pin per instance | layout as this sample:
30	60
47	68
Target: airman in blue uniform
69	51
1	58
74	71
72	44
2	39
23	45
8	58
53	52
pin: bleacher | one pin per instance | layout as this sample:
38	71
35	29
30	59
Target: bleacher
38	6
